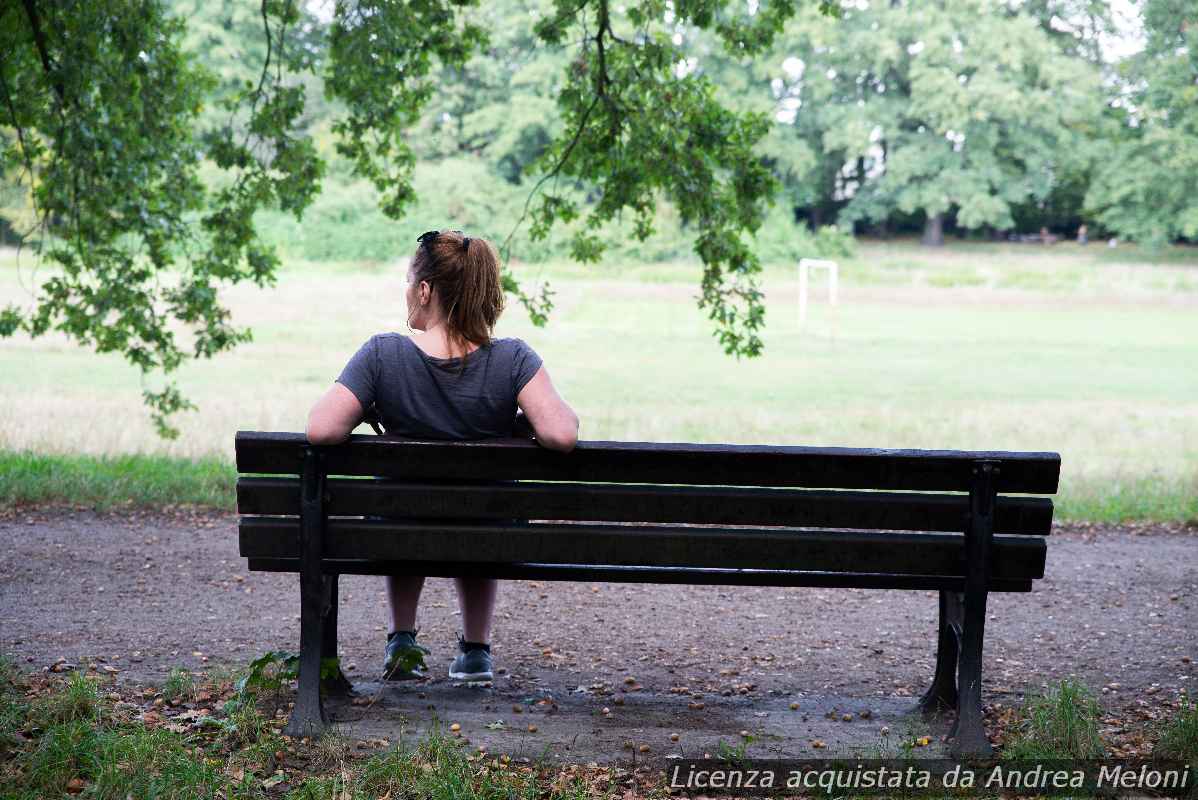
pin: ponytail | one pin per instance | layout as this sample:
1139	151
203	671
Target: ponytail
465	271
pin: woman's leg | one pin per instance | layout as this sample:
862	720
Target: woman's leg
476	600
403	593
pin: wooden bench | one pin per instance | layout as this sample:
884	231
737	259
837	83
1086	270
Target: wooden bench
653	513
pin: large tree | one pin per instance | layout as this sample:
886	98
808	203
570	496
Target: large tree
933	107
146	170
1147	186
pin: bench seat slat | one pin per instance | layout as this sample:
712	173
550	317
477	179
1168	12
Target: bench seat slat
641	462
638	503
1013	557
614	574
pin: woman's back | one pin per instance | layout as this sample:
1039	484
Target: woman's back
424	397
454	297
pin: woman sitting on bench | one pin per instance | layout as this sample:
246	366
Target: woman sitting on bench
449	380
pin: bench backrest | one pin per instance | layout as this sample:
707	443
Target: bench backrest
875	512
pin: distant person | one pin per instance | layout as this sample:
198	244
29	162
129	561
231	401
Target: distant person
449	380
1081	234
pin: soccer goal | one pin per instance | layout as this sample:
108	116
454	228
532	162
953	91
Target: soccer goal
806	265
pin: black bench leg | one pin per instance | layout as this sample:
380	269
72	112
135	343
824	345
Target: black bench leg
337	684
942	694
969	734
308	717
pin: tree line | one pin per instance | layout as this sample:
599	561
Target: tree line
978	117
154	151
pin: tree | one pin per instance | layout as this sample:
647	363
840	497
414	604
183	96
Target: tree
1147	187
146	170
936	107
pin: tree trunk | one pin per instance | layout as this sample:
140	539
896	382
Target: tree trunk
933	230
816	217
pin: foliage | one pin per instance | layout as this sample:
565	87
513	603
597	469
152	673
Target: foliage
734	753
1147	187
345	225
1061	722
104	105
932	108
269	673
147	169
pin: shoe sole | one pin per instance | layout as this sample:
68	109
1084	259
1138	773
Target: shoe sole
472	676
404	676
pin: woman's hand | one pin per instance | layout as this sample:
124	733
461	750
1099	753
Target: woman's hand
333	417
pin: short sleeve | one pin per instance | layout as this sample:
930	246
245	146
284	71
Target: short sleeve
361	374
525	364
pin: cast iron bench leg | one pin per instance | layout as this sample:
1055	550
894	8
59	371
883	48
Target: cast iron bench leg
942	694
337	684
308	717
969	735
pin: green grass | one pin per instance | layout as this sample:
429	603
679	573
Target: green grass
1083	351
1060	723
72	738
1179	737
107	482
1114	500
142	481
179	685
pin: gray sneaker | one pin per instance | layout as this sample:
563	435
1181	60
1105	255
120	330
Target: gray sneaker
405	658
474	662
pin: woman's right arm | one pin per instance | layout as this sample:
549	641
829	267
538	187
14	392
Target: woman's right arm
552	419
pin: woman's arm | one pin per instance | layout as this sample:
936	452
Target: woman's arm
334	416
552	419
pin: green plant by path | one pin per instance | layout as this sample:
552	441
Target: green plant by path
1179	739
179	685
1061	722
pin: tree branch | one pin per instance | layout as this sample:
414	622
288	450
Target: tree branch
16	125
505	248
39	41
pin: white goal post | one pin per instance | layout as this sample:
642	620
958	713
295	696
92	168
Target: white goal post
806	265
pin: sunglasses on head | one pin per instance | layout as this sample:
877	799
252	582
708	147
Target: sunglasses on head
428	237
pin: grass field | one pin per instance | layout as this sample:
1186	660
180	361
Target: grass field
1087	351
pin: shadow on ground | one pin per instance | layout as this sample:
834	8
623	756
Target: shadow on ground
583	725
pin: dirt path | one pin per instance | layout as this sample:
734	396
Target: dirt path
146	592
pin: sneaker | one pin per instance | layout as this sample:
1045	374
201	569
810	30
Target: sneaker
405	658
474	662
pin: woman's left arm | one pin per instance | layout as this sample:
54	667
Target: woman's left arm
333	417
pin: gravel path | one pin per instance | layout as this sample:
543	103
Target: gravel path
148	591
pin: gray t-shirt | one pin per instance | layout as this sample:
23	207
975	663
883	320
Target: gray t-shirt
423	397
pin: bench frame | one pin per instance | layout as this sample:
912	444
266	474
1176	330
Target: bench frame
956	684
